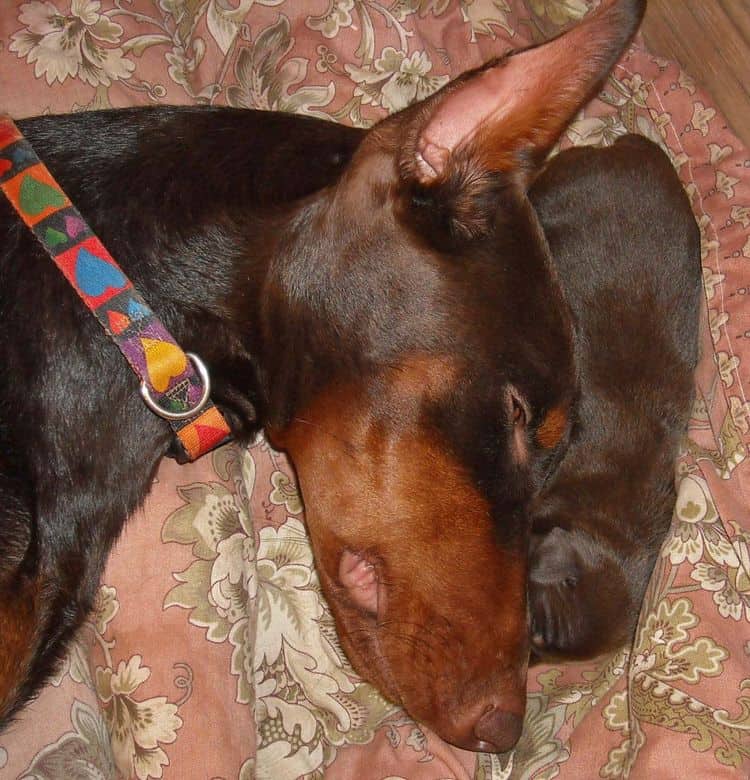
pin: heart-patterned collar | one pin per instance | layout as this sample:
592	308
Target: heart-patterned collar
174	384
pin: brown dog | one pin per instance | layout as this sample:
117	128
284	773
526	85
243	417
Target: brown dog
391	317
395	486
627	247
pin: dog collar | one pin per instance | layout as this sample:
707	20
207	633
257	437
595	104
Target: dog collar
174	384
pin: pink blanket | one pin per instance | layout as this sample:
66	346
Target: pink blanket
211	653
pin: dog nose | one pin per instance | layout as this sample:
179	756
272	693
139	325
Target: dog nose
490	728
497	730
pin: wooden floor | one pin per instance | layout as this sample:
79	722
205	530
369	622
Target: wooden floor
711	40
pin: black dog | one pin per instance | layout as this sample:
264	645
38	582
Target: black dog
627	247
382	302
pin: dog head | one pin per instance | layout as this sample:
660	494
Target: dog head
418	449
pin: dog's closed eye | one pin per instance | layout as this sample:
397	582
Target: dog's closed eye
518	413
520	417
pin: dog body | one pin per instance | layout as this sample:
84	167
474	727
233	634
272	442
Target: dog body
383	303
78	452
627	248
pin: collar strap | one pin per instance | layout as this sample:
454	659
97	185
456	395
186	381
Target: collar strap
174	384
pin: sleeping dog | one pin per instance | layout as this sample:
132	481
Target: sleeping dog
383	303
627	248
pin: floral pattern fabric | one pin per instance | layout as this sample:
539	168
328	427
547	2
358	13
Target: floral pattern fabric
211	652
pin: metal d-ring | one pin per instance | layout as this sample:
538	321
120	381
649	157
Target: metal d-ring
205	379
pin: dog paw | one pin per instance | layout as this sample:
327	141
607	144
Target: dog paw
555	621
579	600
554	625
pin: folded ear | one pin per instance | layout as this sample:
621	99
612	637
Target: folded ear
505	116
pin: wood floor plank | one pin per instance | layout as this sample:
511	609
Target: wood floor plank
739	14
711	41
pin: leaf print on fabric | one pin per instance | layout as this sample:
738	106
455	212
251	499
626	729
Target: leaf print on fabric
733	448
403	9
621	758
595	131
663	643
731	451
285	493
725	184
661	704
636	89
663	656
224	21
137	728
230	576
365	18
727	366
582	695
308	699
338	16
539	747
404	731
81	754
76	663
493	766
174	25
702	117
290	668
395	80
484	15
740	214
718	154
711	280
214	587
268	80
541	751
284	760
106	606
242	639
716	321
78	43
559	12
729	580
709	242
210	516
616	712
218	586
740	411
686	82
697	527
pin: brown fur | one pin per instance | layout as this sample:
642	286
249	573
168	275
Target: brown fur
633	277
424	647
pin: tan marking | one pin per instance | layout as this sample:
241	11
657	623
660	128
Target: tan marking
19	622
553	427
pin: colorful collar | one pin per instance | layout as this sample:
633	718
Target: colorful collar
174	384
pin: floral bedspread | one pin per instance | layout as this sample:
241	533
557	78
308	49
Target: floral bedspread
211	652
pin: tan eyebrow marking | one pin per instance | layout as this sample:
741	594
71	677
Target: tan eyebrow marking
553	427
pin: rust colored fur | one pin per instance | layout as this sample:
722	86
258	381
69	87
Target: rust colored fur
430	538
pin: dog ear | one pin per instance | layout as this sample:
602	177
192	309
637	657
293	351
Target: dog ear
504	117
